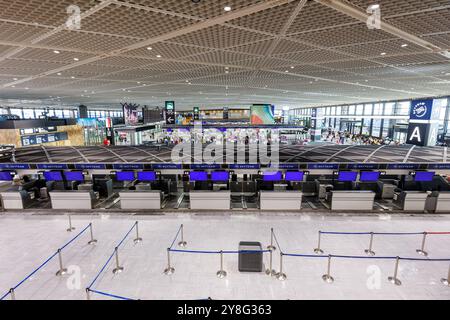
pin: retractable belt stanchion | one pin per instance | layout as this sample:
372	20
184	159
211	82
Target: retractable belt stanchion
182	243
444	281
92	241
319	250
271	247
62	271
88	294
422	251
270	271
394	279
327	277
118	269
138	238
13	294
281	276
221	273
169	270
370	251
71	228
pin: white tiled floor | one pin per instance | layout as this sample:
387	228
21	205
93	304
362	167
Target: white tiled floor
26	241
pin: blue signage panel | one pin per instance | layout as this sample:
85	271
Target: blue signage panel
285	166
403	166
439	166
14	166
245	166
167	166
90	166
363	166
128	166
421	109
323	166
205	166
52	166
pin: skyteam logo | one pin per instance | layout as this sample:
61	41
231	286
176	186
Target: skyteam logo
420	110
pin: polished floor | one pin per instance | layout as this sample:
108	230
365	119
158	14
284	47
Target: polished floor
28	240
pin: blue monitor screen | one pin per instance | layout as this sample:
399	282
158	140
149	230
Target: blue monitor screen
147	176
272	176
424	176
125	176
370	176
347	176
294	176
6	176
53	176
220	176
74	176
198	176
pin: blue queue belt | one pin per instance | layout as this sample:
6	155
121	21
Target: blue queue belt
111	295
374	233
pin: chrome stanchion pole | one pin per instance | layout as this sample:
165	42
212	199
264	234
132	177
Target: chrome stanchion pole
118	269
88	294
221	273
12	293
422	251
394	279
444	281
92	241
319	250
272	246
169	270
182	243
370	251
270	271
62	271
327	277
71	228
281	276
138	238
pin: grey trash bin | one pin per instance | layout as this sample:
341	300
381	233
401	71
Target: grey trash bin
250	261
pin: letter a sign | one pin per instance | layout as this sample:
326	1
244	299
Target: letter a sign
417	133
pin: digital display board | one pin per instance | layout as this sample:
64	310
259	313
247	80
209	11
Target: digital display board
53	176
370	176
424	176
6	176
125	176
347	176
147	176
198	176
74	176
294	176
220	176
272	176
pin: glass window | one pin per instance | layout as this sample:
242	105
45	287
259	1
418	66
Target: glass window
376	128
368	109
59	113
66	114
378	109
38	113
359	109
403	108
366	127
351	110
339	111
17	112
345	110
333	111
28	113
386	127
389	109
3	111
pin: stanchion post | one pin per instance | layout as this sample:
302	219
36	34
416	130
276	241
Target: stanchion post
88	294
62	271
327	277
394	279
446	282
422	251
370	251
138	238
319	250
270	271
272	246
221	273
182	243
118	269
281	275
71	228
92	241
13	294
169	270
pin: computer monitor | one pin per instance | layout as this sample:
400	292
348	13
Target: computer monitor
147	176
53	176
424	176
272	176
6	176
370	176
198	176
294	176
220	176
74	176
125	176
347	176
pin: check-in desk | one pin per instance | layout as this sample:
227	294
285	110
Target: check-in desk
140	200
72	200
284	200
352	200
210	200
443	202
411	200
16	199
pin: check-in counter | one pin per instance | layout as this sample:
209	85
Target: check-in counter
210	200
411	200
72	200
16	200
284	200
443	202
140	200
352	200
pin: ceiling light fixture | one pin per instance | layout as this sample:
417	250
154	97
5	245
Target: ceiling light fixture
227	8
404	45
76	59
57	51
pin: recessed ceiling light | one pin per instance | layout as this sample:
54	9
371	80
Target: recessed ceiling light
158	56
404	45
375	6
56	51
149	48
72	77
383	53
227	8
59	73
292	67
15	79
76	59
